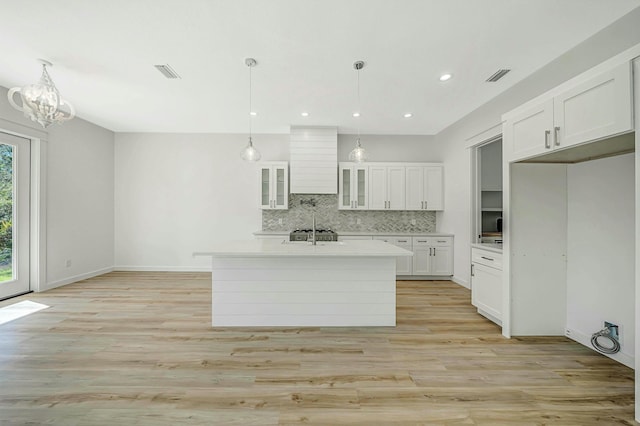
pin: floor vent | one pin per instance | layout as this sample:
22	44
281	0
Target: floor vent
497	75
167	71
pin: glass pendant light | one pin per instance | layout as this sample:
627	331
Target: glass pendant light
358	155
250	153
41	102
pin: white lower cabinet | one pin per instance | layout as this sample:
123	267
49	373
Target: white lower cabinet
486	283
432	256
404	265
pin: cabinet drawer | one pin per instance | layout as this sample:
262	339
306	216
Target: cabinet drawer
433	241
488	258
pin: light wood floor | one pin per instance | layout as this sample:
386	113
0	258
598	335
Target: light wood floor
138	348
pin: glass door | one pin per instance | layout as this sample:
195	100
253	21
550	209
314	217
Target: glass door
14	215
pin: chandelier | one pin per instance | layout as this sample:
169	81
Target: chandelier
41	102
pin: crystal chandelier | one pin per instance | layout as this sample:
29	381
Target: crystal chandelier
41	102
249	153
358	154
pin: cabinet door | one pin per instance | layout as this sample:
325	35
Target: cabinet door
266	201
345	197
396	188
442	261
596	109
421	260
377	188
360	177
404	265
486	289
529	133
433	188
414	187
280	187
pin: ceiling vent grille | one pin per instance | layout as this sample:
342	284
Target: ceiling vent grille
167	71
497	75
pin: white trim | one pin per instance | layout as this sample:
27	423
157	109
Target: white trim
462	282
38	197
75	278
162	268
485	136
585	340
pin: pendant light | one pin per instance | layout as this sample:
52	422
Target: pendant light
358	155
41	102
250	153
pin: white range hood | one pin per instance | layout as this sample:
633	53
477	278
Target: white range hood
313	160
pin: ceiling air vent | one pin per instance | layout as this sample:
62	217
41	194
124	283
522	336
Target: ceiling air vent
497	75
167	71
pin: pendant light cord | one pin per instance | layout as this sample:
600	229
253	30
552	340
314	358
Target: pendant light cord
359	112
250	103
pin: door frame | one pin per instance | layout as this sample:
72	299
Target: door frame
38	210
473	144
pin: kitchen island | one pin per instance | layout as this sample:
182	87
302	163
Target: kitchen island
282	283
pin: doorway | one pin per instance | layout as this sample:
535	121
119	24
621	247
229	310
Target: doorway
15	171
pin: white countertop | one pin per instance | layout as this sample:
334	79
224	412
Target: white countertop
496	248
277	248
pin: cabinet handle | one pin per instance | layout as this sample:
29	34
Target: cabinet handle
440	241
422	204
422	241
472	272
556	135
546	139
486	258
426	203
402	241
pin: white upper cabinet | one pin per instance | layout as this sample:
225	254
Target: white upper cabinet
386	187
353	186
423	188
594	109
274	185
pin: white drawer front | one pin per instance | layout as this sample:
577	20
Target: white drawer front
433	241
485	257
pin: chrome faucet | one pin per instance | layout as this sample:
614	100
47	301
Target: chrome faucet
313	229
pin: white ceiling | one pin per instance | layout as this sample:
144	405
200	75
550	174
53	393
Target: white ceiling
104	51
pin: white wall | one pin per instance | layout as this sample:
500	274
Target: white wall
456	219
79	199
601	249
393	148
180	193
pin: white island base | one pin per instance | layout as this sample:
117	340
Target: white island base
267	283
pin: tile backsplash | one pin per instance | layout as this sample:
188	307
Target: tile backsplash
325	207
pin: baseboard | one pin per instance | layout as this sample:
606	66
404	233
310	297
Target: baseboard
162	268
75	278
585	340
423	277
460	281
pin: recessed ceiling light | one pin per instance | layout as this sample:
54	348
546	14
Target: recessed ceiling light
445	77
356	114
253	113
304	114
408	115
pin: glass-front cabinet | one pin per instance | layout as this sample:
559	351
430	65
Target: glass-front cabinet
274	185
353	185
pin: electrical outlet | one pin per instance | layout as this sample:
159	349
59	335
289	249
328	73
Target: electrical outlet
358	221
413	221
67	263
615	330
280	221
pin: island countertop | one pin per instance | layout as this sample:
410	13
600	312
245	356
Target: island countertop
277	248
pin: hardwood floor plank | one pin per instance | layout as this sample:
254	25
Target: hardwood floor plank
138	348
